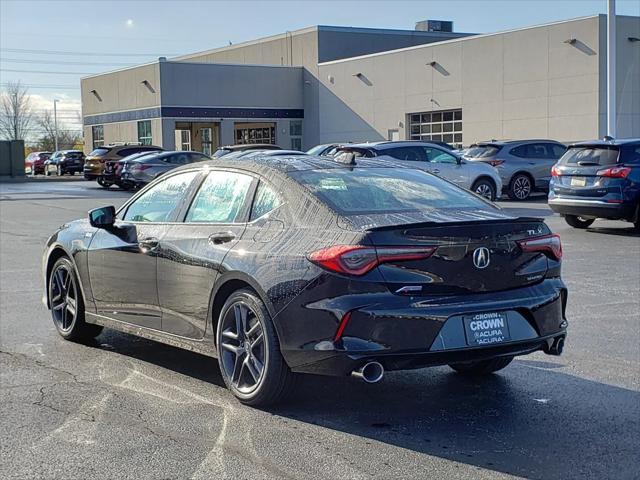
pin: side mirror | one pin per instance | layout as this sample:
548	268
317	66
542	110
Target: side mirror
102	217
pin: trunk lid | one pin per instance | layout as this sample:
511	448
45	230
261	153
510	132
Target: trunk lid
469	256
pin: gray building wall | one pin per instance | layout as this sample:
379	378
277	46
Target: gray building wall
521	84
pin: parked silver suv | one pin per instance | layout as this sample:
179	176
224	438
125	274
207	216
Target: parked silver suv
477	177
524	166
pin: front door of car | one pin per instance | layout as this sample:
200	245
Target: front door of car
123	259
447	166
192	252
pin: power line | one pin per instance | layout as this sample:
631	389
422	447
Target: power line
92	54
62	62
45	71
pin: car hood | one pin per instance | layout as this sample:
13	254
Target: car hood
364	222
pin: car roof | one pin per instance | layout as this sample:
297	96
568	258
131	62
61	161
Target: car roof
501	143
250	146
605	142
382	145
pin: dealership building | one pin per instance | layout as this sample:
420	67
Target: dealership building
338	84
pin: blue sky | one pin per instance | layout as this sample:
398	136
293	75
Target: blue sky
105	35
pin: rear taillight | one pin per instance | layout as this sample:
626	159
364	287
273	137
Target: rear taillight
555	171
139	167
358	260
495	163
550	245
614	172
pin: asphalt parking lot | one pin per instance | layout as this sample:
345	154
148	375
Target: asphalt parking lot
124	407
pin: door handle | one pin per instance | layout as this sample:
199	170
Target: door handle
221	237
435	170
148	244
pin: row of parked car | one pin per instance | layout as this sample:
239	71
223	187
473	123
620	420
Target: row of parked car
584	181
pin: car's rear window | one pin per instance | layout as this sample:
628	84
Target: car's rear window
384	190
482	151
585	156
99	152
73	154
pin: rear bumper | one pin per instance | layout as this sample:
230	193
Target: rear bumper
404	332
592	208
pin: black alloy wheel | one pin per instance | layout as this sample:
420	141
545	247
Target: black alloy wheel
249	353
67	307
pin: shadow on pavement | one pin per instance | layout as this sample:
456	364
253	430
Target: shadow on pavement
532	419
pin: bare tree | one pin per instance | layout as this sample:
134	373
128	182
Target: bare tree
67	139
15	112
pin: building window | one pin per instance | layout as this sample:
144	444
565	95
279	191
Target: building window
255	133
443	126
144	132
97	136
295	132
207	141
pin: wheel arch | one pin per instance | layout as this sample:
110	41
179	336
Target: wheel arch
526	173
55	253
228	284
484	176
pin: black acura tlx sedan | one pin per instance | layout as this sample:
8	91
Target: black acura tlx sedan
278	266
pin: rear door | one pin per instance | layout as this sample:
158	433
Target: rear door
193	250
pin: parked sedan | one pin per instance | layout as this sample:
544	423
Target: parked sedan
222	151
524	166
140	171
34	162
597	179
113	170
311	266
477	177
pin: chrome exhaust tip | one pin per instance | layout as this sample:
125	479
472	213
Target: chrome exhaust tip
556	347
370	372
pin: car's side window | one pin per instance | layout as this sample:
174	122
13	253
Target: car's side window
411	154
158	203
220	198
555	151
435	155
266	200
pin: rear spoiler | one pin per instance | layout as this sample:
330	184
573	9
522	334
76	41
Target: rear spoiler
464	222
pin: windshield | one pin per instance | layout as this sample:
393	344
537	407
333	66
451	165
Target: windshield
482	151
385	190
596	155
317	150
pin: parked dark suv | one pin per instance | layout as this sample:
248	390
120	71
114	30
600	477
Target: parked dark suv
597	179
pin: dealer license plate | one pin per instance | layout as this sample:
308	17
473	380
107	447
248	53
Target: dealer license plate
578	181
486	328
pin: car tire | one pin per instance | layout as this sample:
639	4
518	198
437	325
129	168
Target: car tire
520	187
485	188
578	222
246	341
67	306
102	183
482	367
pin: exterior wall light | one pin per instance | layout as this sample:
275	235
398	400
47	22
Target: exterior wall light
571	41
148	85
96	94
633	39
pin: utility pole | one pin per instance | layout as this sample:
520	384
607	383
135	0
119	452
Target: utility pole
55	122
611	69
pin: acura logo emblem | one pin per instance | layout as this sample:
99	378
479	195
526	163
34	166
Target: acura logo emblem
481	257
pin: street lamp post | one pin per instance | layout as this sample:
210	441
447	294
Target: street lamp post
55	122
611	68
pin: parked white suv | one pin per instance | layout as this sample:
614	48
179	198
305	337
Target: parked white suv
480	178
